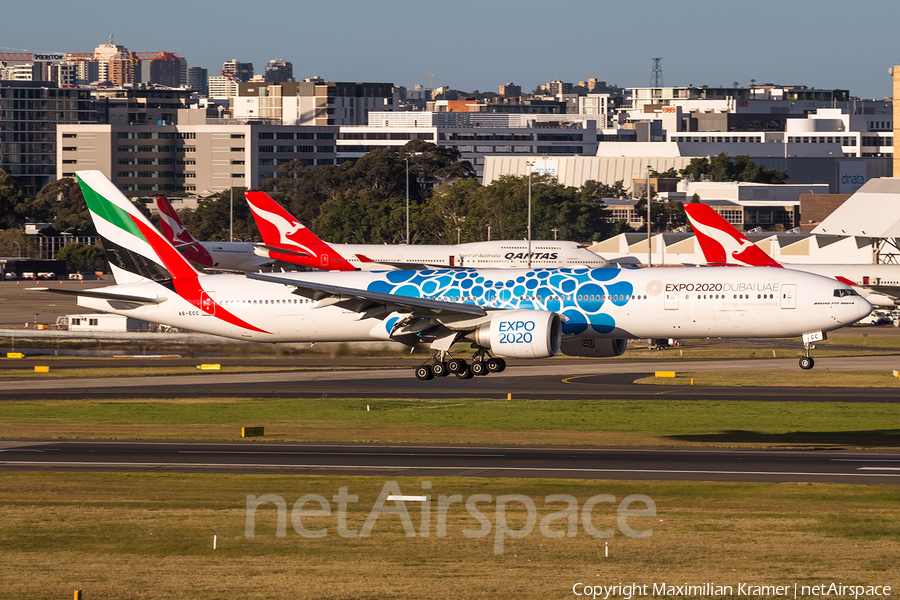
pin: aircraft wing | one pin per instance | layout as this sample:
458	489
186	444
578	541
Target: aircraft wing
363	301
101	295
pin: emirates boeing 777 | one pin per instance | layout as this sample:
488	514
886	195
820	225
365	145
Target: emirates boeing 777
519	313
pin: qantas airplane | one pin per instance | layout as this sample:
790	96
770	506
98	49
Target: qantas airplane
518	313
227	256
286	239
723	245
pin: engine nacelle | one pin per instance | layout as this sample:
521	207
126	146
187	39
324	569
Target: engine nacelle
521	334
594	348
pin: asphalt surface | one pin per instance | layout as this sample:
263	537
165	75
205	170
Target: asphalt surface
468	461
393	378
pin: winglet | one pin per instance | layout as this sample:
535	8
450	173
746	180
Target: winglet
721	243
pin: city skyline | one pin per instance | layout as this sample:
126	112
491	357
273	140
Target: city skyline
479	46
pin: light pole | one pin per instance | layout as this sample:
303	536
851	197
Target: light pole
18	248
406	158
231	217
649	245
530	165
554	230
489	232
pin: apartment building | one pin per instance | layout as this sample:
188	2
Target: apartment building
30	112
475	135
191	154
314	101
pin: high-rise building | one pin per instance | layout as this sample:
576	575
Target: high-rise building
171	72
510	90
235	69
279	70
116	65
197	80
28	133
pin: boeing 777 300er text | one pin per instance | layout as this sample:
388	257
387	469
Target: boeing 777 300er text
519	313
225	256
723	245
286	239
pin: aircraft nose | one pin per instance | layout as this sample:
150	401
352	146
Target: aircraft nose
864	307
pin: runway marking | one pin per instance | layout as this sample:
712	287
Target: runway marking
339	453
446	468
865	460
879	469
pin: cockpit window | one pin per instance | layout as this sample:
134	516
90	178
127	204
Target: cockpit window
845	292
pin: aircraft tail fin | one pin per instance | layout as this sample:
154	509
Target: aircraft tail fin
279	229
721	243
136	251
170	224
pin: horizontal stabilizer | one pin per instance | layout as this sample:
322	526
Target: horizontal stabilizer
101	295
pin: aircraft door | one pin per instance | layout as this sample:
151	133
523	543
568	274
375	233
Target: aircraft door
323	259
671	301
208	303
789	295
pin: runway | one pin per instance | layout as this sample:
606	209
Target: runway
549	380
461	461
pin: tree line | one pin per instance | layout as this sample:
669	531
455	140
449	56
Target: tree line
364	201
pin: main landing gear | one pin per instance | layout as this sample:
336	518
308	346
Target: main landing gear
481	364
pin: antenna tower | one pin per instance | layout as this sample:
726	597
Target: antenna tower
656	78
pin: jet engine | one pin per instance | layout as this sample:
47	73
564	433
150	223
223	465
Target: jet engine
594	348
521	334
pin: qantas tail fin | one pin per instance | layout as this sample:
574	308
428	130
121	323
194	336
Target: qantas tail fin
174	230
170	224
136	251
721	243
280	230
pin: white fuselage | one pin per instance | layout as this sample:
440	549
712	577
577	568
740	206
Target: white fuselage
234	256
476	255
598	303
880	284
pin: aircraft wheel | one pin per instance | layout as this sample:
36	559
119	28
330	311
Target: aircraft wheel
455	365
439	369
423	373
496	365
466	373
807	363
479	367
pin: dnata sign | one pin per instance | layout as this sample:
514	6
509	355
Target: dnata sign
852	176
56	57
545	167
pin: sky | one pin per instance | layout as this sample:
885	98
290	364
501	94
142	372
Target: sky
478	45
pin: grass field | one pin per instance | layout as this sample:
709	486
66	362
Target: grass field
474	421
151	535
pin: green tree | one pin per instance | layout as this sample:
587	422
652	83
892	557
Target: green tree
14	242
82	257
60	202
10	197
211	220
667	174
725	168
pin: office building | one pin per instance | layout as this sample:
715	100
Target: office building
278	71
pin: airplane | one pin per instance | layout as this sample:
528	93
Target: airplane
723	245
504	313
286	239
225	256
